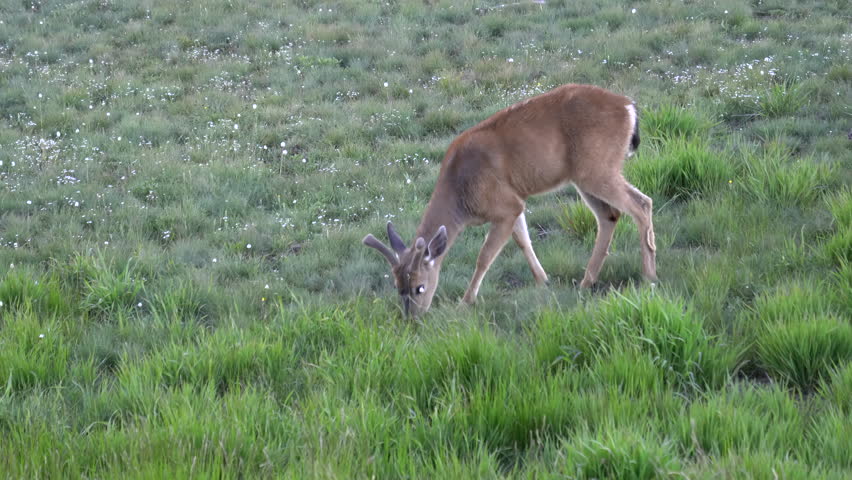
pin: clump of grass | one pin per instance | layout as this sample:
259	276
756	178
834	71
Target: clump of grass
33	350
182	302
672	335
669	121
713	222
441	122
620	453
792	301
756	464
742	419
578	220
839	246
510	413
468	358
837	388
112	289
840	206
681	167
570	339
803	352
774	178
630	373
829	440
20	288
636	323
842	282
782	99
712	282
840	73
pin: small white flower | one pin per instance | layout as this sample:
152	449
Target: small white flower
215	260
266	286
386	84
139	304
58	134
29	202
236	126
108	114
283	144
254	106
633	11
248	246
726	12
511	60
285	151
304	160
40	335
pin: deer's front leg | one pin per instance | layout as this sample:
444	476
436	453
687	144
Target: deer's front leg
497	236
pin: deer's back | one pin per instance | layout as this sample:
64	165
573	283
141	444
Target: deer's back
572	133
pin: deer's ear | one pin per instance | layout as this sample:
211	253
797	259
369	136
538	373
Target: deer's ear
438	244
395	240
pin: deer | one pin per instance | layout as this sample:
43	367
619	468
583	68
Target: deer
573	134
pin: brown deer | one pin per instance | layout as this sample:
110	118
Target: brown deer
574	133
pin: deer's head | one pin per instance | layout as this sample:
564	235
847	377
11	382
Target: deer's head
415	269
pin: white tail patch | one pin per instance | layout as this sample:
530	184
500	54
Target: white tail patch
631	114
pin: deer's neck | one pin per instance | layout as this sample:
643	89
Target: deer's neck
441	210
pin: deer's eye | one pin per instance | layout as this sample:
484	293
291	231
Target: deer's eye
421	289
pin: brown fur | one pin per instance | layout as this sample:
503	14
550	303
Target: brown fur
574	133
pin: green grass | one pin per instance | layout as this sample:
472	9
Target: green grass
184	292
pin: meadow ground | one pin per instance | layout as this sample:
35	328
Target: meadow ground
184	187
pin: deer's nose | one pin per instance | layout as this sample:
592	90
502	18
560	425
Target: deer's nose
406	304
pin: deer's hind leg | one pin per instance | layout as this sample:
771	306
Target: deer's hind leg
625	197
522	238
607	217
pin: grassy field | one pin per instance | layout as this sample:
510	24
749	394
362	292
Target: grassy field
183	291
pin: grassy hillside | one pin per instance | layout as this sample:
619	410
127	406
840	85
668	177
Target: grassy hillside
183	291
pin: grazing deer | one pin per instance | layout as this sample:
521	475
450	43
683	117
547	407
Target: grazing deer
574	133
